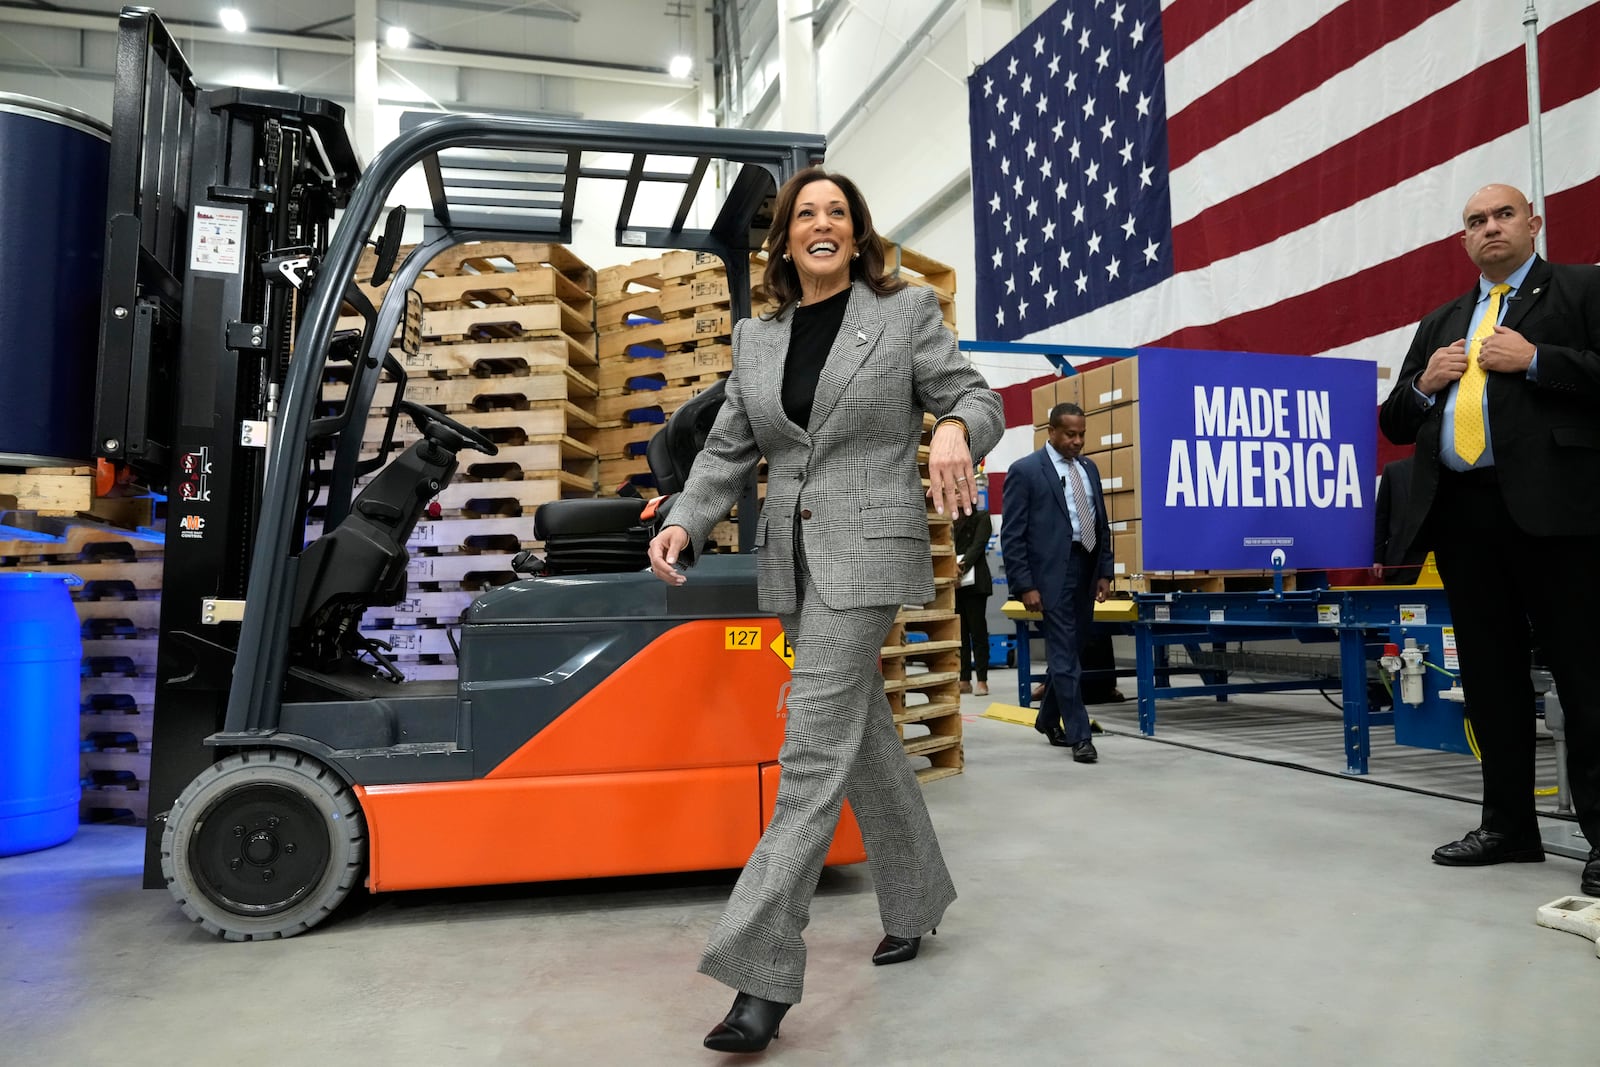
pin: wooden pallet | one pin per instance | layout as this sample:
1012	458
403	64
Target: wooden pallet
695	296
710	327
670	368
46	491
487	358
453	395
1199	581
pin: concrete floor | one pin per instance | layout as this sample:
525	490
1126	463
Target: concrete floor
1166	906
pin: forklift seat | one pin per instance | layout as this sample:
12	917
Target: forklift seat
361	563
607	536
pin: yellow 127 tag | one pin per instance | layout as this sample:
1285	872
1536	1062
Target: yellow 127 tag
742	638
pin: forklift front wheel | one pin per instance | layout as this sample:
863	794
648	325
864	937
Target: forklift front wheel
263	844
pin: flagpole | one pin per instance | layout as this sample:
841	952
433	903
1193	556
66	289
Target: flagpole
1530	22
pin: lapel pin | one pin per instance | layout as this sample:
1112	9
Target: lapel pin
860	336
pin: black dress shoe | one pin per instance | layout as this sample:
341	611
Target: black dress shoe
1054	735
751	1025
1481	847
894	949
1591	874
1083	752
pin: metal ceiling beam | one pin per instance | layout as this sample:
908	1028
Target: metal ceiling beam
556	68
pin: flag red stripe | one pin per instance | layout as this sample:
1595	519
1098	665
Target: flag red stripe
1385	297
1343	38
1186	21
1432	131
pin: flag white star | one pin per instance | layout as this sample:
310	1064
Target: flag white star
1038	45
1008	224
1033	208
1111	268
1011	285
1111	196
1150	251
1050	230
1055	65
1027	84
1044	168
1034	273
1022	310
1138	33
1030	149
1072	82
1005	165
1011	67
1103	60
994	205
1123	79
1094	244
1074	148
1116	16
1066	23
1000	316
1061	189
1144	175
1091	173
1050	297
1042	105
1127	227
1088	108
1022	244
1106	128
1016	188
1083	40
1057	128
1065	258
1016	121
998	258
991	139
1077	214
1081	282
1143	106
988	88
1000	104
1126	153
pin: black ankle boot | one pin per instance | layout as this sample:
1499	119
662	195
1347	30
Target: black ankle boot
751	1025
894	949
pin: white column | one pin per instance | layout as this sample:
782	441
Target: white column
366	80
797	67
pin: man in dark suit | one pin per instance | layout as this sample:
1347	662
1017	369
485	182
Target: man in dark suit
1500	391
1056	541
973	589
1393	561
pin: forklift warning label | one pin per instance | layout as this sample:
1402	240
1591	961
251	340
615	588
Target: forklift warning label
785	651
1452	662
742	638
217	244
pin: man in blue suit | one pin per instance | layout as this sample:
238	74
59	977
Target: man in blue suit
1056	541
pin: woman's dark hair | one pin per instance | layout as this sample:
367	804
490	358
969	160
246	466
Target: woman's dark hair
782	280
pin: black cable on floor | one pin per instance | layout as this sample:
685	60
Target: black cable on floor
1365	779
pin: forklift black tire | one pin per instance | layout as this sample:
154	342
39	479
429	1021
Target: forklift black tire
263	844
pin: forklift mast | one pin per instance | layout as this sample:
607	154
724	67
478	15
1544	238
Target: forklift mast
225	278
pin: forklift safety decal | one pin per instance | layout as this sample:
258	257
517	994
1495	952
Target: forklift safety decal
195	475
784	650
218	242
742	638
191	526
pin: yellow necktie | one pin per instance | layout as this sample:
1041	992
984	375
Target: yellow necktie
1469	391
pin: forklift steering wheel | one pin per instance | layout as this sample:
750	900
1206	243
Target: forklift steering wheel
442	430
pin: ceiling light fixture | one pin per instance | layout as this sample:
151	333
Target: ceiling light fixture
680	67
232	20
397	37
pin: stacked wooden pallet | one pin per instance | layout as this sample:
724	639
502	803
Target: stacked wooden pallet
118	606
665	336
508	347
922	657
918	269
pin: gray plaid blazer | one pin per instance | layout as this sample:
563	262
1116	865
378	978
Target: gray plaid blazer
850	475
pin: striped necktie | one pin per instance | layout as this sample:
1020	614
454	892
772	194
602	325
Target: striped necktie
1470	436
1080	500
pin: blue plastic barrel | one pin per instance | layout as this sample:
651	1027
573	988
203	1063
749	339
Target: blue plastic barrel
54	165
39	656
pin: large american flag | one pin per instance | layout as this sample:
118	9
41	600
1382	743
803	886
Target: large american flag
1260	175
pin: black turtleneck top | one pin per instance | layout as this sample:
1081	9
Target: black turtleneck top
811	337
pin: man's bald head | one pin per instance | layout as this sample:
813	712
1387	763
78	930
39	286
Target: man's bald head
1498	231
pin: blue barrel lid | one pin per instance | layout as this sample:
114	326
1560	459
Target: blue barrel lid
33	107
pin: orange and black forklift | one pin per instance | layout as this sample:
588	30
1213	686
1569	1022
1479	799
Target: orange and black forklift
602	723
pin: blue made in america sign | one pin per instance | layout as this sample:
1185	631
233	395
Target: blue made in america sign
1247	460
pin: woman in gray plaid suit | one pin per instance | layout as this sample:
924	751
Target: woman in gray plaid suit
831	388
